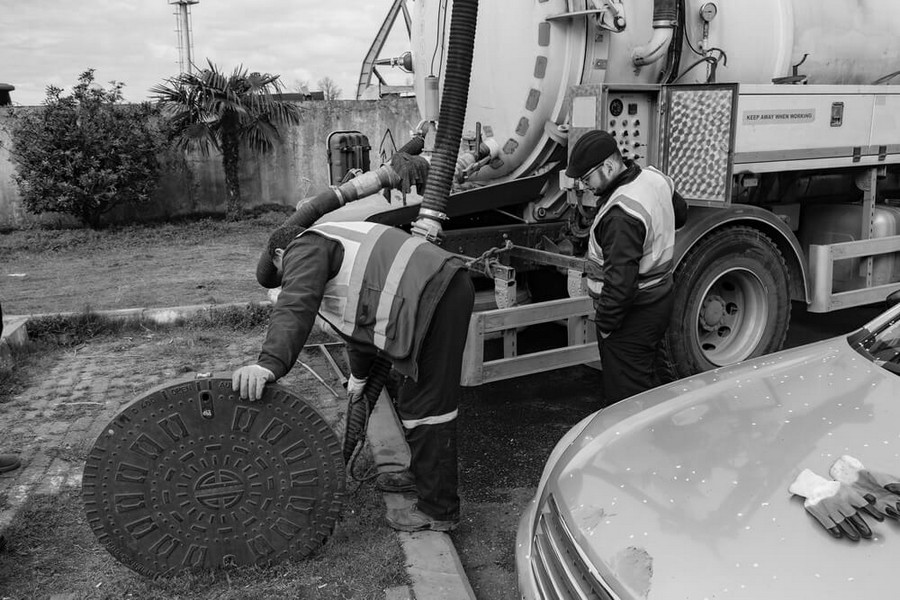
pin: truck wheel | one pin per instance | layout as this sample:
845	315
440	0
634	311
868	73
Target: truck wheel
732	302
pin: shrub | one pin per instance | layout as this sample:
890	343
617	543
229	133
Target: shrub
84	153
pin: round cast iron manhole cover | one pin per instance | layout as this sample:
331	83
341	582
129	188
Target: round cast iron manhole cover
189	476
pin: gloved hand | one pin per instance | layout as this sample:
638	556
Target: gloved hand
251	380
880	489
835	505
355	387
412	170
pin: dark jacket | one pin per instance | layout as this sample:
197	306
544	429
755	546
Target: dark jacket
309	262
621	238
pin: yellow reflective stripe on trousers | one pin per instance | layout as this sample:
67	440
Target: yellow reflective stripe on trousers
445	418
391	286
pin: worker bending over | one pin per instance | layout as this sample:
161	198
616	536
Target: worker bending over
632	241
386	291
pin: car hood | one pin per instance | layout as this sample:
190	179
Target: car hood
682	492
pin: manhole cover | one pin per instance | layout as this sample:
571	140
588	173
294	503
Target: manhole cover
190	476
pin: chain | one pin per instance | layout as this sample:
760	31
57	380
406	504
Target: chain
480	264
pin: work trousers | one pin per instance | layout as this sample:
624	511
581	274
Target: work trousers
629	356
428	407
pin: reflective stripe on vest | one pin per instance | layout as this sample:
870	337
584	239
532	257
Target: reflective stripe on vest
648	198
445	418
374	297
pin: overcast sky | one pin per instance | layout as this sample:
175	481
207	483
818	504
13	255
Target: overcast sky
44	42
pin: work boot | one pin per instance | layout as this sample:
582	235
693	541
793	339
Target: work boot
411	518
9	462
396	482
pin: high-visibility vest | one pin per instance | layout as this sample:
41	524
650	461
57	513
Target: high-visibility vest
648	198
375	296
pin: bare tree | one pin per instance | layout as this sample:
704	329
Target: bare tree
329	88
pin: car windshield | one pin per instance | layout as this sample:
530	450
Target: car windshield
883	346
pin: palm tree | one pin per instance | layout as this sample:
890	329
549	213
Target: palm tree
227	113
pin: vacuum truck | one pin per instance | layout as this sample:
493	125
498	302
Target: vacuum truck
776	119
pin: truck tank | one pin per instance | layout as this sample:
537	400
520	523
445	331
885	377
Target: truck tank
526	57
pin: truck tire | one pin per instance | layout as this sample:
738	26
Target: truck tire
732	302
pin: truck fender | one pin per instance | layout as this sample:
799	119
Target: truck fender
704	220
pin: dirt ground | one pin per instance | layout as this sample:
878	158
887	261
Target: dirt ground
506	429
203	262
54	422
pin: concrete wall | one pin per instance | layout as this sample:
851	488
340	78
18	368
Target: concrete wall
195	184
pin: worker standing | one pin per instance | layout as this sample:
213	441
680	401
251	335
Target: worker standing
384	291
632	241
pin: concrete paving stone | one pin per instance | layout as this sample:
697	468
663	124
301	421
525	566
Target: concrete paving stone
398	593
15	330
83	424
57	477
41	396
54	428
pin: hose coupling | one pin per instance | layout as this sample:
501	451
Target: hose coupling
340	195
433	214
429	229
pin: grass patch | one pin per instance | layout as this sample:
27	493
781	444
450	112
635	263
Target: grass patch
204	261
198	230
78	329
26	361
52	551
74	330
238	318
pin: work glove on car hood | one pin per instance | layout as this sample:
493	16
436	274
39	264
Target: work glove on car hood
879	489
834	505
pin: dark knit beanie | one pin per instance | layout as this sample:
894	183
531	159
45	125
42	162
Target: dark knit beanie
590	150
266	273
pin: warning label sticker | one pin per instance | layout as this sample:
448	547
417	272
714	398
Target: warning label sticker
779	116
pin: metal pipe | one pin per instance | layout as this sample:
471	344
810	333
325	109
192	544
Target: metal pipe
309	210
665	19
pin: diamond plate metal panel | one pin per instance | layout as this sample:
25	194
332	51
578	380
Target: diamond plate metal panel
699	142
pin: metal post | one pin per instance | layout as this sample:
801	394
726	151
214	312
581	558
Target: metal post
183	29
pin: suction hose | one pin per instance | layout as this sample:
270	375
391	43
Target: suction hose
432	213
437	190
665	19
358	412
309	210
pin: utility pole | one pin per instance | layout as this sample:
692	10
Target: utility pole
183	29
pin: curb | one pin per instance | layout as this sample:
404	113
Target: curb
432	562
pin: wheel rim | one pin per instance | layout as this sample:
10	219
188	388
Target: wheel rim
732	317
